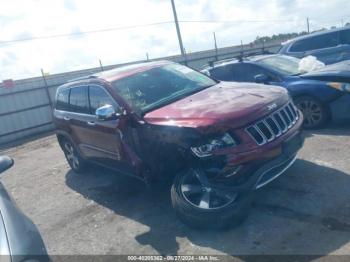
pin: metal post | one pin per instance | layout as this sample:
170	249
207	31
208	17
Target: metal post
147	57
216	47
185	56
102	69
46	88
242	51
177	28
308	25
263	47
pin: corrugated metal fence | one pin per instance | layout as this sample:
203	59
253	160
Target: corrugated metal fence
25	109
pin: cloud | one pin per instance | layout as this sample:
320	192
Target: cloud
70	5
20	19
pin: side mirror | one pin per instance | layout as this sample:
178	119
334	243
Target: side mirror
261	79
105	112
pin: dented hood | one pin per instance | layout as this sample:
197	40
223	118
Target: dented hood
227	103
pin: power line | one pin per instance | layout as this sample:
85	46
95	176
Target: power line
234	21
146	25
259	21
83	32
130	27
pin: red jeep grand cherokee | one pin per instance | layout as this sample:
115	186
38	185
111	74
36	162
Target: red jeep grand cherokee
161	121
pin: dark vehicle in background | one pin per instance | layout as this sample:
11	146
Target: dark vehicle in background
328	46
20	240
321	95
160	121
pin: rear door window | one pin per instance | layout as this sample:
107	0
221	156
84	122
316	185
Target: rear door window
224	73
62	100
247	72
240	72
99	97
78	100
316	42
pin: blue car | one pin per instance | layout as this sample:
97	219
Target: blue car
329	46
321	95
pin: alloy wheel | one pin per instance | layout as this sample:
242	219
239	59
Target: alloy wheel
312	111
71	156
204	196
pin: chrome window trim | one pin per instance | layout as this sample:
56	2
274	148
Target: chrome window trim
115	104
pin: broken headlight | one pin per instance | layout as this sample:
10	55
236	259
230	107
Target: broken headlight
207	149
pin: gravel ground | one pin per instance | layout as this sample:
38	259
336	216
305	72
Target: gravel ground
305	211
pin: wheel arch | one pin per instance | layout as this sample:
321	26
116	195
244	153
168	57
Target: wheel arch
62	135
305	94
326	106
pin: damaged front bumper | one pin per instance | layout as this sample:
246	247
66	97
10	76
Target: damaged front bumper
264	173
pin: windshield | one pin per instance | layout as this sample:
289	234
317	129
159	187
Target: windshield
286	65
159	86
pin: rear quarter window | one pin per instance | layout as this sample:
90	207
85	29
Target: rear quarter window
62	100
316	42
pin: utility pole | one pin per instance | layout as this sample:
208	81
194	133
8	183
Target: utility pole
177	28
216	47
46	88
263	47
101	66
308	25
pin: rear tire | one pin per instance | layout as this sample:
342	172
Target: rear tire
315	113
75	161
209	216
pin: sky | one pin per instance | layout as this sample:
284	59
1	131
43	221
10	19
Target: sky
131	28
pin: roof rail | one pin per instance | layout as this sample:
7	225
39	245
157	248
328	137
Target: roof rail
218	62
81	78
239	58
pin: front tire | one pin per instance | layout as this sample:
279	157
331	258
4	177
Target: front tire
205	207
315	113
75	161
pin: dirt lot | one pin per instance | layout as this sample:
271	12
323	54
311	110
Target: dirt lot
306	211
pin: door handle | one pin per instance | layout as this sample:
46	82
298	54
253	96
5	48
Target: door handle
66	118
90	123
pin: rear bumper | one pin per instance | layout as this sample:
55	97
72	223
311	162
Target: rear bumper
340	109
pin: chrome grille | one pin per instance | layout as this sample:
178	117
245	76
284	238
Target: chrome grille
274	125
